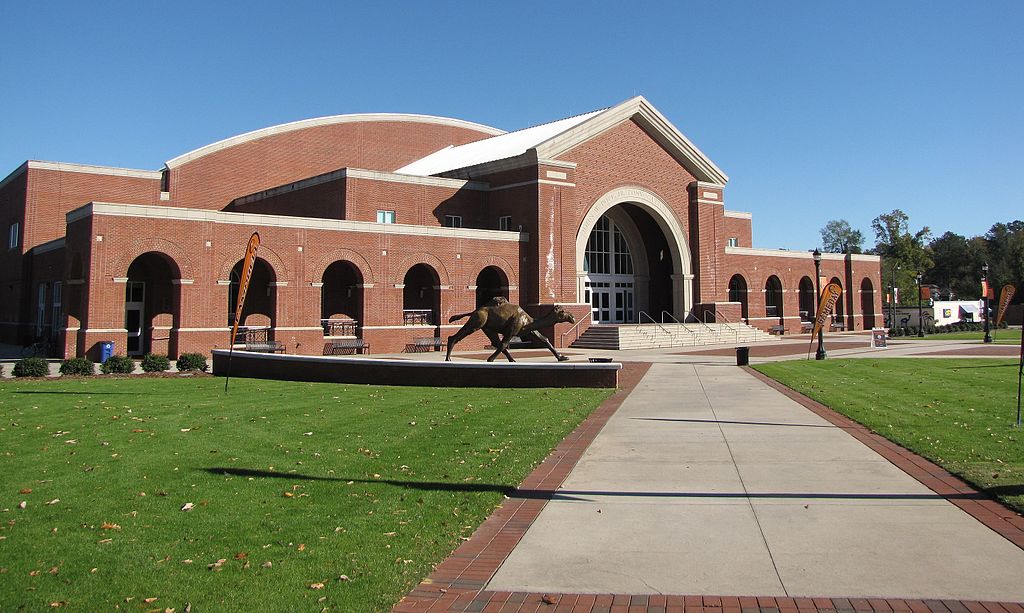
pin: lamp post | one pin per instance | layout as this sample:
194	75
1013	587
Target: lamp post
920	316
984	288
892	304
820	353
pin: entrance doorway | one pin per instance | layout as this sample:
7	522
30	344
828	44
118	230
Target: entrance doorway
134	311
609	282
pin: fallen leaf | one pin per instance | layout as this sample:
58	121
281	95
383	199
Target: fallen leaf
316	586
217	565
33	573
188	506
149	600
186	561
54	501
241	555
288	495
546	599
343	578
307	434
104	541
58	604
26	490
302	546
109	526
137	430
186	429
267	564
53	570
22	504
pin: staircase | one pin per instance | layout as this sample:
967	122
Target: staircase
654	336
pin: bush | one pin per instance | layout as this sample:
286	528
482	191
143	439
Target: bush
155	362
120	364
76	366
192	361
31	367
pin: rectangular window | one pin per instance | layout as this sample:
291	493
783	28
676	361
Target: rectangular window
505	223
734	242
57	309
453	221
385	216
41	310
12	235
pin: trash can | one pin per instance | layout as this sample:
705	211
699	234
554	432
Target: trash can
742	356
106	350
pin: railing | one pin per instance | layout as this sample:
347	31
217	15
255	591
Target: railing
672	335
575	328
417	317
251	335
339	327
723	319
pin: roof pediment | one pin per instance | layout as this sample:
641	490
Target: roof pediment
551	140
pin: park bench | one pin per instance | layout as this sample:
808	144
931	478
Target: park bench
806	326
265	346
346	346
780	330
838	325
425	344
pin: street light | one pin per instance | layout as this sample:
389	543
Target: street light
892	303
920	317
820	353
984	288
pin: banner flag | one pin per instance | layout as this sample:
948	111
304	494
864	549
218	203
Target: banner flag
1005	296
926	292
829	297
243	282
984	288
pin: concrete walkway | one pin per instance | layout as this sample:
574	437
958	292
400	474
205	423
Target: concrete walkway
707	481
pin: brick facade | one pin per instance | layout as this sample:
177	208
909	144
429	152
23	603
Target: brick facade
313	191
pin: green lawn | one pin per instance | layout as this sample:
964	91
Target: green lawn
1004	336
958	413
362	489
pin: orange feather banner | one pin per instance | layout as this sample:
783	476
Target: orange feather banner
1005	296
243	287
829	298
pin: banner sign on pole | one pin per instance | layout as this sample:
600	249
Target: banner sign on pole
1004	301
829	297
243	287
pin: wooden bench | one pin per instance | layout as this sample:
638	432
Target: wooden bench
806	326
780	330
425	344
265	346
346	346
838	325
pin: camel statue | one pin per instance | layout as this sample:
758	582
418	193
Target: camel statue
501	317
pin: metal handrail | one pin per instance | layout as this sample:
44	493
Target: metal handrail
561	339
671	334
664	313
727	323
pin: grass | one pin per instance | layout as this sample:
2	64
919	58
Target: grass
1002	336
362	489
958	413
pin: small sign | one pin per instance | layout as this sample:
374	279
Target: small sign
878	338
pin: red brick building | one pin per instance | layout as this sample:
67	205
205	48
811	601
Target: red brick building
382	226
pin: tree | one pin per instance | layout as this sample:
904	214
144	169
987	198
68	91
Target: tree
957	265
1004	244
838	237
904	253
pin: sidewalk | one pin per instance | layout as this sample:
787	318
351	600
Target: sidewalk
706	481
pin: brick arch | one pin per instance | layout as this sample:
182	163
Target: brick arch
264	253
421	258
499	263
337	255
171	250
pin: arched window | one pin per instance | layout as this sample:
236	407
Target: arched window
421	296
738	293
491	282
609	284
773	297
867	303
341	299
808	304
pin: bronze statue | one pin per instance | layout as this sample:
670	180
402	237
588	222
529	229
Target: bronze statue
499	316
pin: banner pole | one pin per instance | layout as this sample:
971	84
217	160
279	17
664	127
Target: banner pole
243	287
1020	373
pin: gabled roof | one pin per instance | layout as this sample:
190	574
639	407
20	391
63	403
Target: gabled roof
551	140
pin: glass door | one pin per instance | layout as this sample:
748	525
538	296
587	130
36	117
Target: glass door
134	304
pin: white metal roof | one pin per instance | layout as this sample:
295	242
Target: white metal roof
493	148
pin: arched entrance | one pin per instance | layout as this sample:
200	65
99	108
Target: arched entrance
151	304
840	312
738	293
632	256
491	282
260	310
806	299
867	303
341	299
421	296
773	297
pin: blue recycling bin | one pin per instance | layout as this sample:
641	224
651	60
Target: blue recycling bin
106	350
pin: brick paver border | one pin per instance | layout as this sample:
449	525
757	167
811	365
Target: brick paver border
457	584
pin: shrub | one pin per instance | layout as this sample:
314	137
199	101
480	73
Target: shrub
192	361
120	364
155	362
76	366
31	367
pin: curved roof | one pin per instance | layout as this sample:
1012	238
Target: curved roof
323	121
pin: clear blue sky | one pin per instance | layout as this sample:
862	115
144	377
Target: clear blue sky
816	110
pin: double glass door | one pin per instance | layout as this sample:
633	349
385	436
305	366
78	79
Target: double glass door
134	306
611	302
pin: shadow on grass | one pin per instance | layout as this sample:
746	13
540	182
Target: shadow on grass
89	393
1006	490
588	495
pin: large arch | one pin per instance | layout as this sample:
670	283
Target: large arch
260	308
491	282
352	257
152	304
174	251
421	295
807	302
341	298
773	298
867	303
662	214
839	315
738	293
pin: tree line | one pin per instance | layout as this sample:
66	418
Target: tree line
952	262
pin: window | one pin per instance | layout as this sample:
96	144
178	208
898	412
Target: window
58	312
453	221
505	223
385	216
12	235
734	242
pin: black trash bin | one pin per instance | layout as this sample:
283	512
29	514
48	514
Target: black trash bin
742	356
